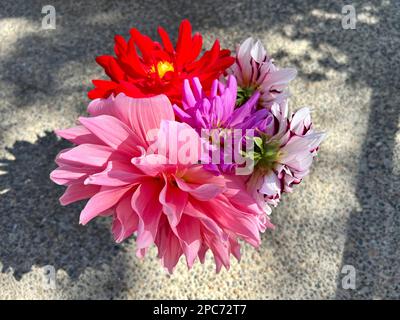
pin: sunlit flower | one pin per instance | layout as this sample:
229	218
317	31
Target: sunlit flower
180	207
256	71
217	110
159	68
285	151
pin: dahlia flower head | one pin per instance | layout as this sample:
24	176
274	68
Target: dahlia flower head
180	207
159	68
286	147
218	111
139	156
255	71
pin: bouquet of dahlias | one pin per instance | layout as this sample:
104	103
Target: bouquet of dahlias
184	151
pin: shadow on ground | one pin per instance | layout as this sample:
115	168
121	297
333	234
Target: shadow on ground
37	229
30	209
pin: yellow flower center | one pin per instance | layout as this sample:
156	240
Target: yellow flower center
162	68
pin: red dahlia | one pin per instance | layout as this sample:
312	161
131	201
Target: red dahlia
159	67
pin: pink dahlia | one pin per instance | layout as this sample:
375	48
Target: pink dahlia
256	71
177	205
284	153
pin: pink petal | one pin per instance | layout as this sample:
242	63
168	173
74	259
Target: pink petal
125	220
76	192
236	191
200	183
85	155
174	202
106	198
201	192
78	135
145	203
151	165
145	114
113	132
66	174
196	211
99	107
188	232
116	174
241	223
172	250
178	142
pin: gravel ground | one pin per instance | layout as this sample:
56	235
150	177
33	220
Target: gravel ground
345	213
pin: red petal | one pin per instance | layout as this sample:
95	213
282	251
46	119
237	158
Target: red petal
120	46
184	43
197	43
144	43
103	89
111	67
166	40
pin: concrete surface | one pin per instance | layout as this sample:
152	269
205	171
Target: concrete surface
345	213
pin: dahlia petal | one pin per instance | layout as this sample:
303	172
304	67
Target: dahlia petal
85	155
174	202
151	164
179	142
220	250
116	174
102	89
236	191
165	40
112	132
279	79
120	46
299	121
242	224
66	175
145	114
148	210
197	43
195	209
188	97
76	192
188	232
258	52
99	107
172	252
202	253
106	198
235	248
125	220
110	67
183	48
202	192
78	135
182	115
144	44
271	185
244	60
244	111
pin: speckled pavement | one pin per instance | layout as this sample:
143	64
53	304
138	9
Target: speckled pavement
345	213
